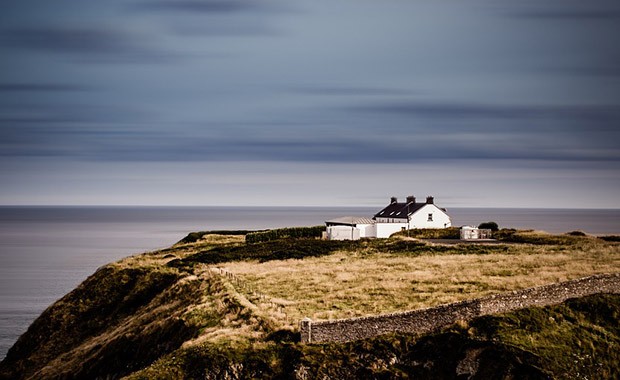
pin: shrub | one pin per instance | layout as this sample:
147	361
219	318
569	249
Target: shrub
193	237
489	226
272	250
576	233
533	237
431	233
612	238
285	233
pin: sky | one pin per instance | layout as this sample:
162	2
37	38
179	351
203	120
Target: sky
480	103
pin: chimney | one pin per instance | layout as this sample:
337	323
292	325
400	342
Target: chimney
411	199
393	200
429	200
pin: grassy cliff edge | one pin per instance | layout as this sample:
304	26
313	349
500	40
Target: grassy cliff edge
214	307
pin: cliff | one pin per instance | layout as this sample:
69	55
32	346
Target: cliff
172	314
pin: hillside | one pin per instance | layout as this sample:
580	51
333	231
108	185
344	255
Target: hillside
214	307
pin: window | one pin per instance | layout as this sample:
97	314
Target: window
430	217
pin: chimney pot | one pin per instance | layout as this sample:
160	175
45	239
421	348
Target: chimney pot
393	200
411	199
429	200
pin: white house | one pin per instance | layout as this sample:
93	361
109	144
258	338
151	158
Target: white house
393	218
410	215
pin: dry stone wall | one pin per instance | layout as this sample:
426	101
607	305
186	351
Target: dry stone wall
431	319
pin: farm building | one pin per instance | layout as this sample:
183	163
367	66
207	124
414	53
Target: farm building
396	216
474	233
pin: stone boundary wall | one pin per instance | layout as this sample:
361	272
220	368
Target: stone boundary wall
431	319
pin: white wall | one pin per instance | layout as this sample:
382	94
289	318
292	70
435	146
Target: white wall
343	233
420	218
384	230
366	230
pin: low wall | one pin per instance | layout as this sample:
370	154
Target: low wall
431	319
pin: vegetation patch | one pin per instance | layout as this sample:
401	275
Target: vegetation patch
105	302
493	226
285	233
577	339
271	250
611	238
431	233
193	237
538	238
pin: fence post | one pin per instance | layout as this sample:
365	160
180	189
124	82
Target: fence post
305	329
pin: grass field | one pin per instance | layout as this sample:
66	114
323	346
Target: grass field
382	276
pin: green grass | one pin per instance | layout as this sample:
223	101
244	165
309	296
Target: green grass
538	238
577	339
431	233
272	250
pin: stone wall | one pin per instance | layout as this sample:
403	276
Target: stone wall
431	319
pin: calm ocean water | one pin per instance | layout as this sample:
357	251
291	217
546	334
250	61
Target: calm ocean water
47	251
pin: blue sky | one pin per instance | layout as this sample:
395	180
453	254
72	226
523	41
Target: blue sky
335	103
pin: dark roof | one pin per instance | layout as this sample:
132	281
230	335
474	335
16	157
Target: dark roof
399	210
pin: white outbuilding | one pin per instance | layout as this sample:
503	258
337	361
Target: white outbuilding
349	228
474	233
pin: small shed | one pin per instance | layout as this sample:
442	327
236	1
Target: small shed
349	228
474	233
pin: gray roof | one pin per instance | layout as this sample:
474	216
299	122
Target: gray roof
350	221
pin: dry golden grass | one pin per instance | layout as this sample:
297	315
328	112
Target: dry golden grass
355	284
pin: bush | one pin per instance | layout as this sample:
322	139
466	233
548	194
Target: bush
533	237
431	233
272	250
489	226
576	233
612	238
285	233
193	237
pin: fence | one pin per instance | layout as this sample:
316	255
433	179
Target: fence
250	294
431	319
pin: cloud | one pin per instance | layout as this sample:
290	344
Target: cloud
113	142
90	44
481	111
203	6
41	87
219	18
568	14
348	91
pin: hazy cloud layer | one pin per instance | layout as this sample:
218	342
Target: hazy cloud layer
358	83
208	6
92	44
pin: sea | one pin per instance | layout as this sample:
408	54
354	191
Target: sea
45	252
